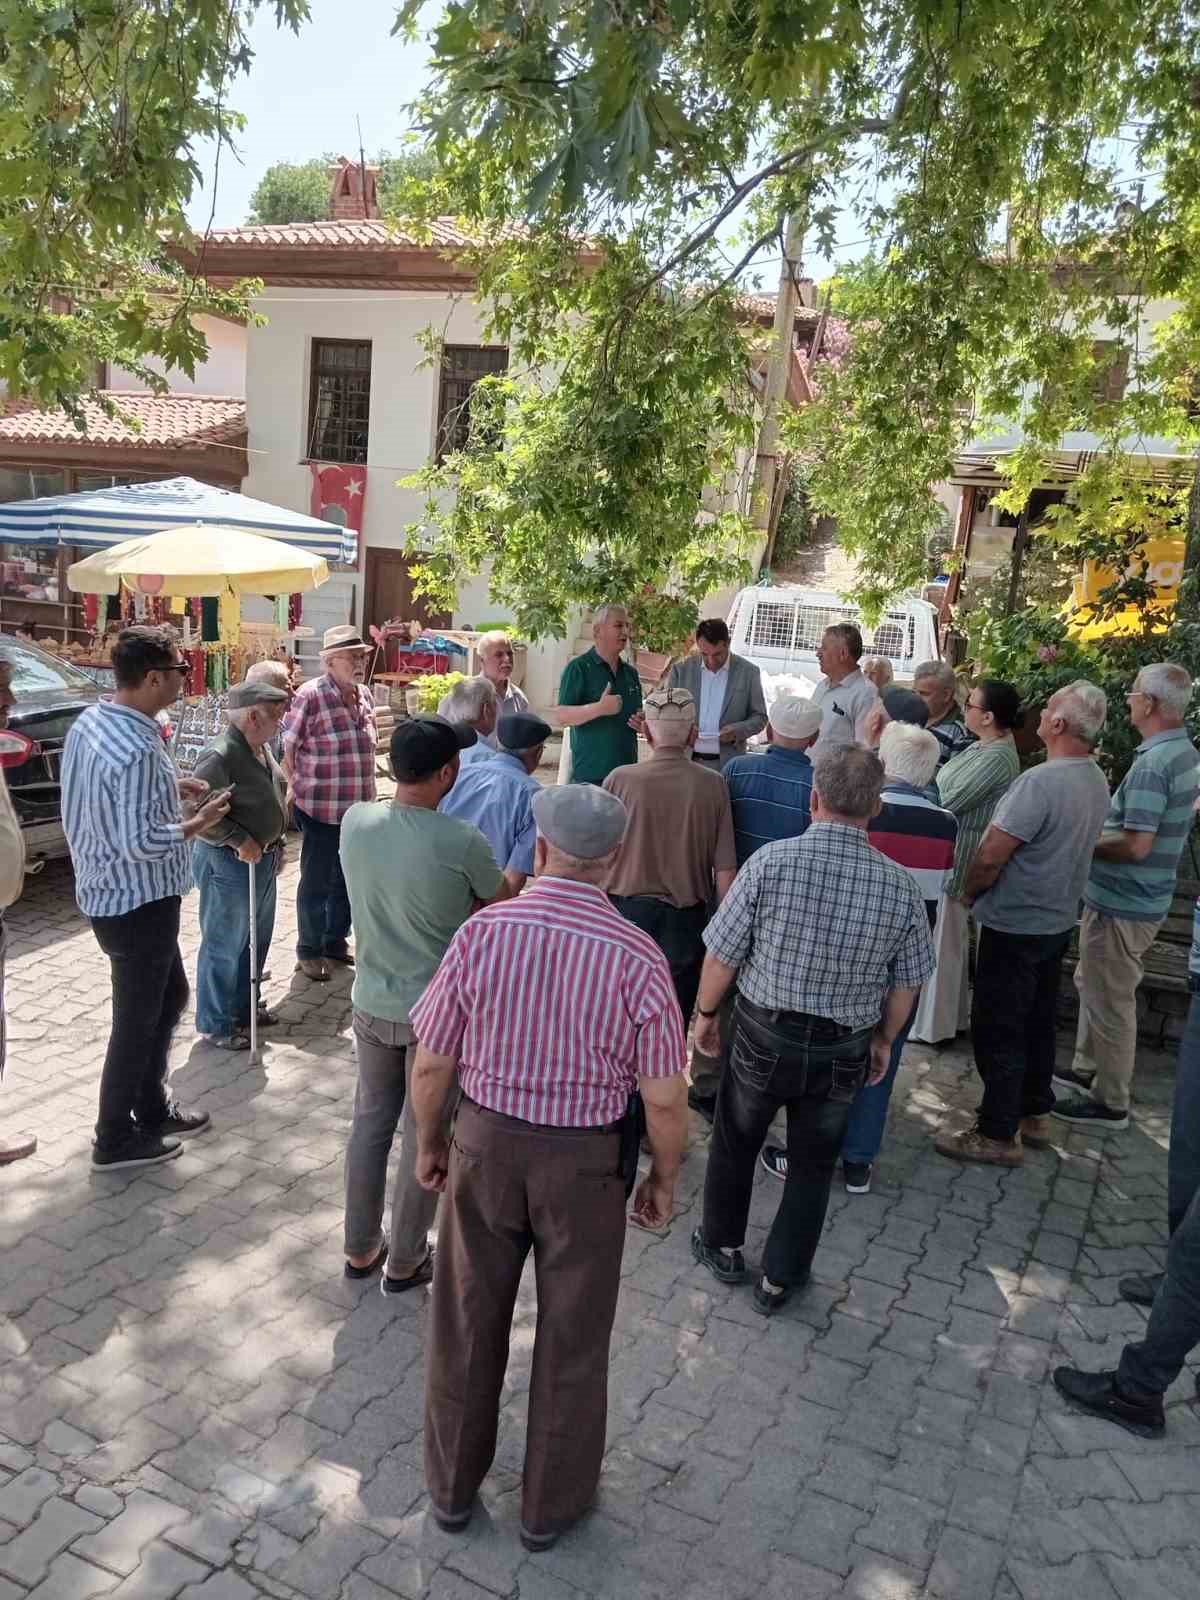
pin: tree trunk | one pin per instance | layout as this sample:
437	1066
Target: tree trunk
775	390
1187	607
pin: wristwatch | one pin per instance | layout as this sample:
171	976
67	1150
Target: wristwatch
700	1011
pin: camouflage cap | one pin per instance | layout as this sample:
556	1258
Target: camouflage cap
669	705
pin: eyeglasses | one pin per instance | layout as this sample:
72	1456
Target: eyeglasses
973	705
177	666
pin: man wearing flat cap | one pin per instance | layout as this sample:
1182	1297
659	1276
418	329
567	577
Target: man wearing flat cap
496	795
329	758
552	1008
414	876
677	858
253	830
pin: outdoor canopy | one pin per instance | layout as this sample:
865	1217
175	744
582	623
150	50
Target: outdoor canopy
102	517
199	560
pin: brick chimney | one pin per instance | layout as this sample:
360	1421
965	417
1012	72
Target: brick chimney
347	201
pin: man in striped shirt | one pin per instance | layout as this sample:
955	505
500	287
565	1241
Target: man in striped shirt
553	1009
1128	894
123	818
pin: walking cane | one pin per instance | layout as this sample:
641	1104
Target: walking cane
254	978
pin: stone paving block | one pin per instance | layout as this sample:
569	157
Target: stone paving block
23	1496
1167	1523
822	1531
853	1474
104	1502
327	1556
119	1545
1068	1480
965	1567
210	1535
1165	1470
983	1502
998	1446
869	1301
1171	1577
13	1458
882	1577
58	1523
904	1526
220	1586
925	1297
889	1266
826	1381
71	1579
848	1339
160	1574
911	1335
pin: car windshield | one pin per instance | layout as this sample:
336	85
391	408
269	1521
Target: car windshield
35	672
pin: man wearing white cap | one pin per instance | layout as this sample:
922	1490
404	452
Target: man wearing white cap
329	757
770	796
553	1010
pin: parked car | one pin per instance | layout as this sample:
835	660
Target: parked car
50	695
779	629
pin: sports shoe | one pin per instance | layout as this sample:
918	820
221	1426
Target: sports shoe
15	1147
1069	1081
727	1266
1098	1393
1035	1132
178	1123
1085	1113
774	1160
1140	1288
857	1176
138	1150
769	1300
971	1145
313	968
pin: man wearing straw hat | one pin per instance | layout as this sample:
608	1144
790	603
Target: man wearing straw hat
329	758
251	833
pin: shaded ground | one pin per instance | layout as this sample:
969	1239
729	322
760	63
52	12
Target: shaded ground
193	1401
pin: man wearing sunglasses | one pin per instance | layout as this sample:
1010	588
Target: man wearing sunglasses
123	815
13	1147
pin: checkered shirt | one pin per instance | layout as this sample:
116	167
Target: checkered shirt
823	924
330	748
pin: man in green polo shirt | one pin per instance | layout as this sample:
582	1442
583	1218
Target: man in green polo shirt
1128	894
597	696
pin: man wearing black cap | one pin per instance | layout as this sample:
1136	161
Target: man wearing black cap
413	877
253	830
497	795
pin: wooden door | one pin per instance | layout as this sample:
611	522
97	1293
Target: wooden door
388	594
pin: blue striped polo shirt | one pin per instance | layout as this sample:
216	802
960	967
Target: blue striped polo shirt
1155	796
770	796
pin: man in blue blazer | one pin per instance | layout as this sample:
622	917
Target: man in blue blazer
728	693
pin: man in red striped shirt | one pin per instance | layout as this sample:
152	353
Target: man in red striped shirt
553	1009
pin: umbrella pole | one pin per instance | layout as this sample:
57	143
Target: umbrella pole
254	980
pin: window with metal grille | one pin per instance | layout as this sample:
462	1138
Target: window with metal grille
339	405
783	625
1112	371
462	367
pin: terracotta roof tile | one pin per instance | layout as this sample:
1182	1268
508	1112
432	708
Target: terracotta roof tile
367	234
194	420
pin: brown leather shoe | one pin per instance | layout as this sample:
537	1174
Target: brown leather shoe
16	1147
1035	1132
314	969
971	1145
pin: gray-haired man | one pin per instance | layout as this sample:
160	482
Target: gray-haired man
936	684
472	704
496	660
597	695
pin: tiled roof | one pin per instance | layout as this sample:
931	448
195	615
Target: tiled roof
365	234
193	420
763	305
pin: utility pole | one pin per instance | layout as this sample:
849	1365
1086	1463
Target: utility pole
778	370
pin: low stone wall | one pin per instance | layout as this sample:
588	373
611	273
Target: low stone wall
1161	1013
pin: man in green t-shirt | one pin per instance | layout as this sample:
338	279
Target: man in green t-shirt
413	876
598	694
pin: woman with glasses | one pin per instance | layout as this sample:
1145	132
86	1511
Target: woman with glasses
970	785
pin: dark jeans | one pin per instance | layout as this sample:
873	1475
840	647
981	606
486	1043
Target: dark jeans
814	1068
1012	1026
150	990
1174	1327
677	933
322	904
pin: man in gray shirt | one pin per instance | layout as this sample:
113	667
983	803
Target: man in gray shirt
1026	882
843	696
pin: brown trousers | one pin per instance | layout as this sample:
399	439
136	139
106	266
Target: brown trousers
513	1187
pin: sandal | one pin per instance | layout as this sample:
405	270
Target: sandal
371	1266
423	1274
230	1041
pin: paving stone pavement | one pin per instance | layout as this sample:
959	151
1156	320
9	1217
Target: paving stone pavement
194	1403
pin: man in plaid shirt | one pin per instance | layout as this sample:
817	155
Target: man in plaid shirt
829	943
329	758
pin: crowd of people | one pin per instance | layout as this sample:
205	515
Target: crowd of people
530	960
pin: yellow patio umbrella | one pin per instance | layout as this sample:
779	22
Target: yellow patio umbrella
203	559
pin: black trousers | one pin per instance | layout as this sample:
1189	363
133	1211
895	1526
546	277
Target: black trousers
1012	1025
677	931
150	991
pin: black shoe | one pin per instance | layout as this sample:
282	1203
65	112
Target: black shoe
267	1019
773	1160
1097	1392
422	1274
141	1149
857	1176
1140	1288
1068	1081
705	1105
345	959
1084	1113
452	1521
769	1303
178	1123
727	1266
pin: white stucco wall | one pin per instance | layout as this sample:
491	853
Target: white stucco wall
224	372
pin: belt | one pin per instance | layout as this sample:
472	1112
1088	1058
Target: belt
703	755
801	1019
537	1127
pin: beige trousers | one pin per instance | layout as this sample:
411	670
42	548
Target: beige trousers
944	1008
1110	968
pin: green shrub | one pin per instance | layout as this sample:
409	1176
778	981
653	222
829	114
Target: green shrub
432	686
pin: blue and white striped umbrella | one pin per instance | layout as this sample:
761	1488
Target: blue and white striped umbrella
102	517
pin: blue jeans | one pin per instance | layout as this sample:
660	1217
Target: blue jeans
1151	1367
868	1117
223	970
814	1069
322	904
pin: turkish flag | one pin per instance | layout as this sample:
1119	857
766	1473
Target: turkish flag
338	495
